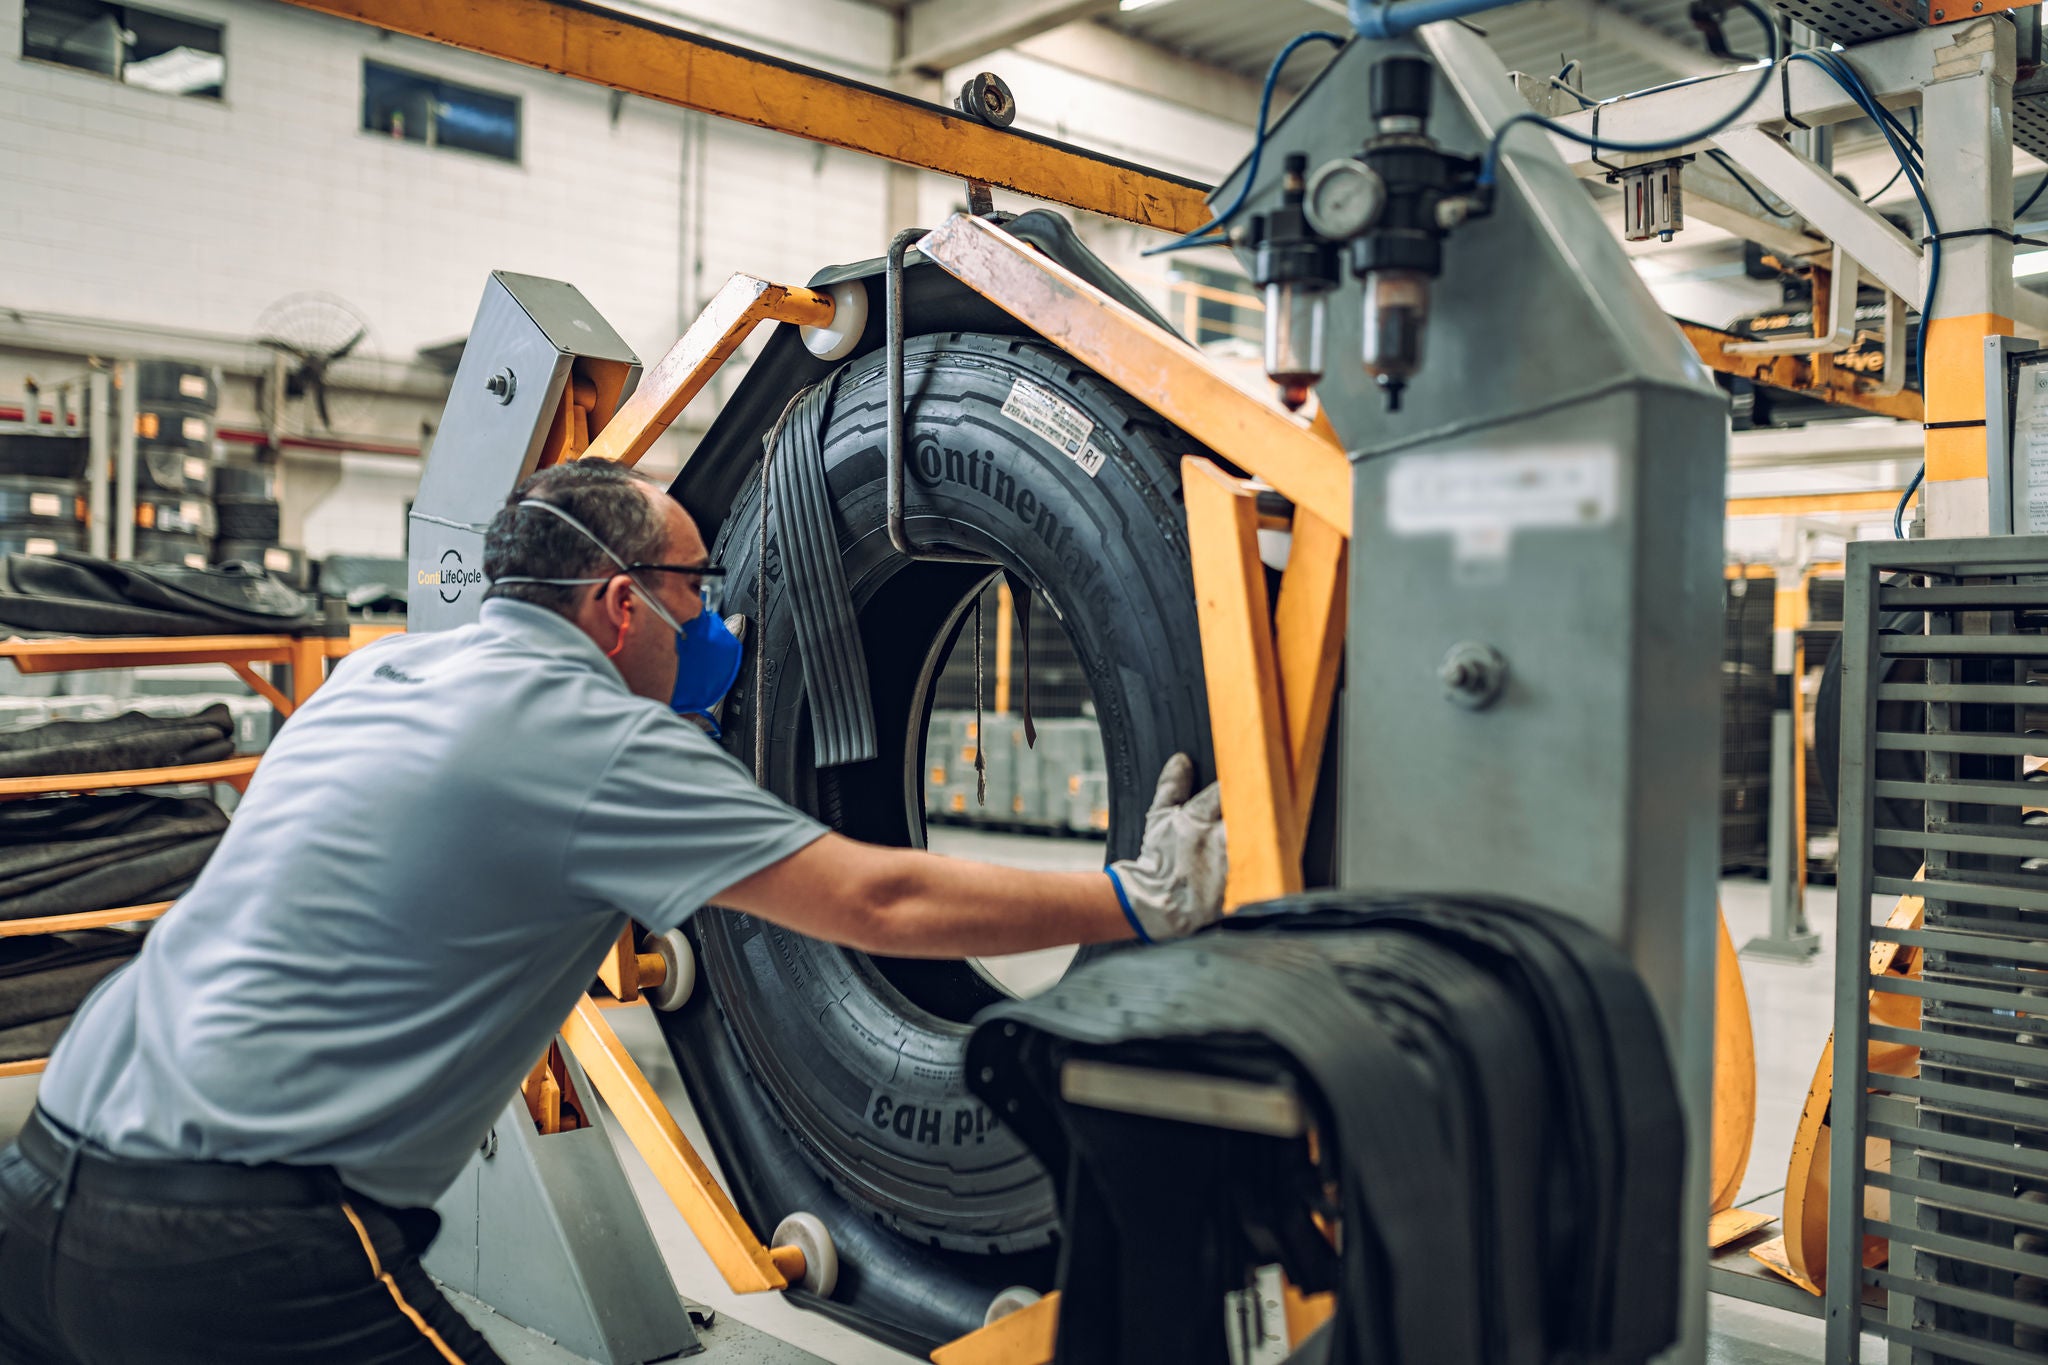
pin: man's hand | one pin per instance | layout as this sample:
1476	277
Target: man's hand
1175	884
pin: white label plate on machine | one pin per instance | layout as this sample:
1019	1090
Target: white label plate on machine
1480	501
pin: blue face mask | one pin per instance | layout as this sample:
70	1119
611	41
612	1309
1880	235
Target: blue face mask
707	654
707	665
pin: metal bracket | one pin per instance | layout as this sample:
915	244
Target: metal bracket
1843	278
899	536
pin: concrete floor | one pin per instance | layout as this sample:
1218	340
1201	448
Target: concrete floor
1789	1008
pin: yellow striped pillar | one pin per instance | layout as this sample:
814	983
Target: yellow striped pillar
1966	127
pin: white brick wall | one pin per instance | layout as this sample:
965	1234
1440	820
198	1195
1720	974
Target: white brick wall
126	204
122	204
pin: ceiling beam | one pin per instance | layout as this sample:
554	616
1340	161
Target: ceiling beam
1604	21
940	34
1128	63
642	57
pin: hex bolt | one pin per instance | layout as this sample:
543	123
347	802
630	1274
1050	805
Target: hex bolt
502	385
1473	675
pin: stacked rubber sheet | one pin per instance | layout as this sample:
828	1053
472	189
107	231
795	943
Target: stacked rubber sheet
44	979
1482	1104
120	743
72	855
75	594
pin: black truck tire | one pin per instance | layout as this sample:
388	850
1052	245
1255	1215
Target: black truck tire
829	1081
36	456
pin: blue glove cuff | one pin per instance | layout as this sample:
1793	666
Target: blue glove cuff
1125	902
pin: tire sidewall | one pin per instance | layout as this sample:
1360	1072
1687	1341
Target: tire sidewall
870	1085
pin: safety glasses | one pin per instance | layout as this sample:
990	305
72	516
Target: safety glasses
712	578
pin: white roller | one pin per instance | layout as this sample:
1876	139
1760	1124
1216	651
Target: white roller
1015	1299
806	1232
679	979
836	340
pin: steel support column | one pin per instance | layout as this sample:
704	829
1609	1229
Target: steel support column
1966	123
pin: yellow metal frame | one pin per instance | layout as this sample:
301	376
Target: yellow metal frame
1151	364
740	305
1800	374
641	57
1271	670
748	1266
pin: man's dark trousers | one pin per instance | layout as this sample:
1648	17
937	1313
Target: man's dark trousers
105	1261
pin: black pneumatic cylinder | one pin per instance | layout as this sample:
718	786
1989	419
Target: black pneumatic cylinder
1400	87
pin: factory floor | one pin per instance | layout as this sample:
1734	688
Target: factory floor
1789	1008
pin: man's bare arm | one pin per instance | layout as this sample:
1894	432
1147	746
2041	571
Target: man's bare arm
903	902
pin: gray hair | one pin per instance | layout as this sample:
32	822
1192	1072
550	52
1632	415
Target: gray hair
610	498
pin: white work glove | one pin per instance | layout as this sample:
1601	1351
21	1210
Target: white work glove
1175	884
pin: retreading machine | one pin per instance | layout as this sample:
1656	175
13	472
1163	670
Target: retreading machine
1501	592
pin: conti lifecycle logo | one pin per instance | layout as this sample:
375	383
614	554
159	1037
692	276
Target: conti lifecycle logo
451	578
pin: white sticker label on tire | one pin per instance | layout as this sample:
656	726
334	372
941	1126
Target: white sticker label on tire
195	561
195	470
1056	421
189	511
192	385
195	429
276	560
45	505
35	545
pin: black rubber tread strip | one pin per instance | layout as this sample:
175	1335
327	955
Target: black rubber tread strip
828	632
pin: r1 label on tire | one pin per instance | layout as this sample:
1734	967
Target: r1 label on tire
1053	419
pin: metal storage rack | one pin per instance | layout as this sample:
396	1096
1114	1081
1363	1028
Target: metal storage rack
1952	1195
305	656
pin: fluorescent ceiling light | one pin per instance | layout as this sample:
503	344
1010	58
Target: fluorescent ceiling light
2029	263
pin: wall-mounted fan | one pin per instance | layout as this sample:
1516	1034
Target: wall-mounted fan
325	365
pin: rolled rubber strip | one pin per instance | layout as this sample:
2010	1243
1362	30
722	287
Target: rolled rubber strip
814	580
1509	1139
1614	1269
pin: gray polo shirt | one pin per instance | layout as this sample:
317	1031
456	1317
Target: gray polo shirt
424	875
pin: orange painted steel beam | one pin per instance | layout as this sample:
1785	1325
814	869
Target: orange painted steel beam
747	1265
89	919
644	57
1247	723
262	687
225	770
69	656
1798	374
1803	504
741	304
1025	1337
1308	632
1148	362
1952	11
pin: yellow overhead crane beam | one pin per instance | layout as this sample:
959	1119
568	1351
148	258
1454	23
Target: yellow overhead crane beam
643	57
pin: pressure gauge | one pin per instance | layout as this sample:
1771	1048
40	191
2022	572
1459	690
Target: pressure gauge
1344	198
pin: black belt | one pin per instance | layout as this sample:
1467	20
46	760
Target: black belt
62	1155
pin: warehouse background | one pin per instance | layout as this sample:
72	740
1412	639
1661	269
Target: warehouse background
144	221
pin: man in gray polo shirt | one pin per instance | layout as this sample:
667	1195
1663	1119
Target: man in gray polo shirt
238	1139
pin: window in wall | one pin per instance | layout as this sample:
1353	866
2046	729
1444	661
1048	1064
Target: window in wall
140	47
1215	308
415	108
